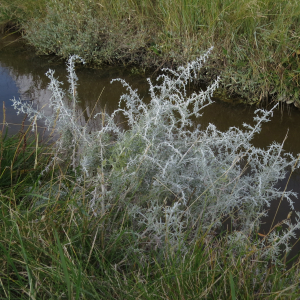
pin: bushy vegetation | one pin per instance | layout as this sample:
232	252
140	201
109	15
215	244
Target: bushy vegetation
257	42
139	214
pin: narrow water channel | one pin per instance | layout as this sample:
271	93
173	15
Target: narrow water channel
22	75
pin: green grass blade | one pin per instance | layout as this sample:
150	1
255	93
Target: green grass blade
64	264
30	277
78	284
10	261
232	287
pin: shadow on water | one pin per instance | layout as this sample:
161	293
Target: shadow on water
22	74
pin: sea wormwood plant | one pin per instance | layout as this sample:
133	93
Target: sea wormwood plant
173	182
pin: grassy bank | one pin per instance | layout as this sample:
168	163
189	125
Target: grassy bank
141	214
57	249
256	42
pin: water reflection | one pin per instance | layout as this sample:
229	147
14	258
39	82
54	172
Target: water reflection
23	76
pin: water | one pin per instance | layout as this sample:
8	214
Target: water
22	75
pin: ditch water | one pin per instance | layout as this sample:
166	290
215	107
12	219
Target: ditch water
22	75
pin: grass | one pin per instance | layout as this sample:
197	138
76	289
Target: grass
256	42
18	160
57	250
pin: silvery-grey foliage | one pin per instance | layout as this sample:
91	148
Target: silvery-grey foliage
174	180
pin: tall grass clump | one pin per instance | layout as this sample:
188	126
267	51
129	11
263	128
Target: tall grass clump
139	213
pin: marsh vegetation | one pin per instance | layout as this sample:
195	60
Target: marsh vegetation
139	214
256	42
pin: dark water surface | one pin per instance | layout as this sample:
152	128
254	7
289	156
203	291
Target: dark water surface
22	75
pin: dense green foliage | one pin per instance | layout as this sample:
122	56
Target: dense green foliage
256	42
18	161
56	251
